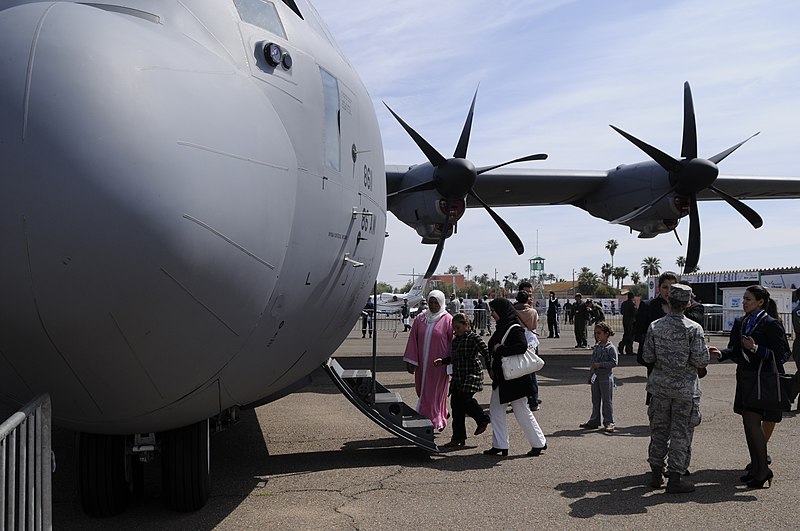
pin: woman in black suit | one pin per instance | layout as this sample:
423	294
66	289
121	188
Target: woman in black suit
757	335
508	340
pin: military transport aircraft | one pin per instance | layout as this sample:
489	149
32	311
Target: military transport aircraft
186	184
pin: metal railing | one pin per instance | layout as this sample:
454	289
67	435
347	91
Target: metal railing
26	468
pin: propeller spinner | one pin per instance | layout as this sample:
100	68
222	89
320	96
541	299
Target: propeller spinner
689	176
455	178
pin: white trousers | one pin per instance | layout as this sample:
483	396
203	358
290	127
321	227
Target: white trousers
525	419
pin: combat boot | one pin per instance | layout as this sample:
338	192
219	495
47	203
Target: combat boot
656	476
677	484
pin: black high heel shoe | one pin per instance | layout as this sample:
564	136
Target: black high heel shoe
747	478
759	483
496	451
536	452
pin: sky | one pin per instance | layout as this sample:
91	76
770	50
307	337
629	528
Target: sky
553	75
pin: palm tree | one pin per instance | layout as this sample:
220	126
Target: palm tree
651	266
587	281
606	270
467	270
680	261
635	278
619	274
612	245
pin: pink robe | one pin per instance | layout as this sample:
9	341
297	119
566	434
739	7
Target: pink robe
425	344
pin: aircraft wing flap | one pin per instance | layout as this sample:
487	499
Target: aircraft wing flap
755	187
521	187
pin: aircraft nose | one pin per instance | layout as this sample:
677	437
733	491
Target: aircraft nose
145	189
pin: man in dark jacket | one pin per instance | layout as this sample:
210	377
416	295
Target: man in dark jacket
552	315
580	318
628	310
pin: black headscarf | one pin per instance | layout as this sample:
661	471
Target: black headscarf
508	315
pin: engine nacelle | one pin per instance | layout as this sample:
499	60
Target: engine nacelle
426	212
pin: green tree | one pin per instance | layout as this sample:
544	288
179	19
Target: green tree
612	245
680	261
619	275
452	270
605	291
640	290
383	287
606	270
651	266
635	278
587	281
467	270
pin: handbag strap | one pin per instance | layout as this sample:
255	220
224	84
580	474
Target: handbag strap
503	341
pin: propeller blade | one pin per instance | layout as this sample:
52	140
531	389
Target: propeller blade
507	230
463	142
429	185
538	156
675	231
640	210
748	213
430	152
719	156
693	247
689	147
437	253
663	160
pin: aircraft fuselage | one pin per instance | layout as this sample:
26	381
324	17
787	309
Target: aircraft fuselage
180	220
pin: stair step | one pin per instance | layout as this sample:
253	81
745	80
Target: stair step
417	423
388	398
356	373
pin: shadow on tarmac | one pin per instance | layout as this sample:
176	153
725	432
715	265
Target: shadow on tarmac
631	495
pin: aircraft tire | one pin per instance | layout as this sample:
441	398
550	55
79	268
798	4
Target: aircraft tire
101	474
185	467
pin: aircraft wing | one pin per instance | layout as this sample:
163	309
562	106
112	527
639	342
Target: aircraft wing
520	187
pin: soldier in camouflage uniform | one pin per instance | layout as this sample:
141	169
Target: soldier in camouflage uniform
677	348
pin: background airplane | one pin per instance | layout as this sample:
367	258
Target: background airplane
392	302
186	186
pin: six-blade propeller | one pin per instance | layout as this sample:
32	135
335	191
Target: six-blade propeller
454	179
689	176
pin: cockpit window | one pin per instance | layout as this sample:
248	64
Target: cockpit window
261	13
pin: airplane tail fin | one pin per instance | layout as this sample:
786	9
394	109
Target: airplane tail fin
418	288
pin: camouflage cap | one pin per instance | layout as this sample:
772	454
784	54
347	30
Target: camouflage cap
680	292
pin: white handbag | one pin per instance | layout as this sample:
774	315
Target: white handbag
519	365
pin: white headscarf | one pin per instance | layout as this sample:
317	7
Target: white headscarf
431	317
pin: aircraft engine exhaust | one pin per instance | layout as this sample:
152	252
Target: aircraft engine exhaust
454	179
688	177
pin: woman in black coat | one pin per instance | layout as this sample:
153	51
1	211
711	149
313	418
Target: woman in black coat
757	335
509	340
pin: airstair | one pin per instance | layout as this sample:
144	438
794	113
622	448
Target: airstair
381	405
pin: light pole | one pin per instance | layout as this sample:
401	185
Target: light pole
573	282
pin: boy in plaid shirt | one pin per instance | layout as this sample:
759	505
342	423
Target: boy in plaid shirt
467	358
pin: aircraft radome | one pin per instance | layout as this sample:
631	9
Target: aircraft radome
187	184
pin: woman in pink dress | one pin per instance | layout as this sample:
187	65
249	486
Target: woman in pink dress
429	339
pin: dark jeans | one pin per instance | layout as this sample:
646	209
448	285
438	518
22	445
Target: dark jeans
626	344
464	404
580	332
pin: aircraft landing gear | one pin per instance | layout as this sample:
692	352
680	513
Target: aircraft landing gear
101	474
185	465
108	474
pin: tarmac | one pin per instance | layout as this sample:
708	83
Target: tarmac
312	461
